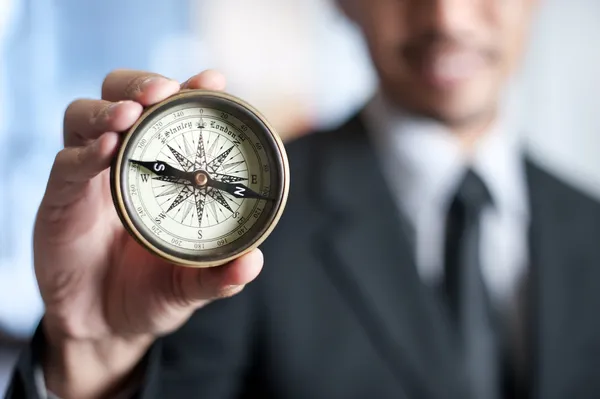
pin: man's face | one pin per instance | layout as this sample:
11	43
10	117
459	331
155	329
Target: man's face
446	59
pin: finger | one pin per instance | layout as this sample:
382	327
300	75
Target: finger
145	88
85	120
199	285
207	80
74	167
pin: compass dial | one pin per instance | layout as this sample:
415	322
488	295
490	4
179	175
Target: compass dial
200	179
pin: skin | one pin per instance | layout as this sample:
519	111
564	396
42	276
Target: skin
443	59
414	42
106	297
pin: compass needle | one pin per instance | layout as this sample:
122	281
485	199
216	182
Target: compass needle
200	179
163	169
238	190
170	179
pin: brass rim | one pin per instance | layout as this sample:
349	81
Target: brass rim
122	210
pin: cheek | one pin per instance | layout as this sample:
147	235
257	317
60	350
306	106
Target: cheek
384	28
513	20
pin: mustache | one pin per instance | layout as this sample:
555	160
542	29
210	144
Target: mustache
437	42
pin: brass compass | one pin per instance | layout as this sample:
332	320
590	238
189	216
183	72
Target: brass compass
200	179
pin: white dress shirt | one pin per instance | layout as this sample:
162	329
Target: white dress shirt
423	163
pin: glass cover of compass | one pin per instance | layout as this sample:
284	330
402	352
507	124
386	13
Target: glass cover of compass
200	179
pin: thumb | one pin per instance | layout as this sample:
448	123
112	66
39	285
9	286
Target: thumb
69	179
196	287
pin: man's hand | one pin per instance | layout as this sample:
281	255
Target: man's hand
106	297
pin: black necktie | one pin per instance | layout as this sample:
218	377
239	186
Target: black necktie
466	292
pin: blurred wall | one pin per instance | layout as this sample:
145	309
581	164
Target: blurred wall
560	90
298	61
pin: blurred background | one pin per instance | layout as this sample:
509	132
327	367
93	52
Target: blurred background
299	61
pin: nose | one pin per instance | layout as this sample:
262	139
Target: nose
446	16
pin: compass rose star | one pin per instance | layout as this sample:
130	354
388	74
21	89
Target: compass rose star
228	178
200	160
184	194
200	199
216	163
183	161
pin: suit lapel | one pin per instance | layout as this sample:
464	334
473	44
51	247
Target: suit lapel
367	253
565	331
368	256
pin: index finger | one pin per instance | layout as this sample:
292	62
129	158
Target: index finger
146	88
210	79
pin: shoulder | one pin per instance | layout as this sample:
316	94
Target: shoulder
306	156
313	146
304	215
309	155
561	193
562	208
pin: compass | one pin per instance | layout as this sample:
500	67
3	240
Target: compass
200	179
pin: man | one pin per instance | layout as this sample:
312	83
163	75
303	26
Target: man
421	254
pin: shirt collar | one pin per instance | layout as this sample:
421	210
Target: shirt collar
424	163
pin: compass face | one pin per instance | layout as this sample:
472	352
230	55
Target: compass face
200	179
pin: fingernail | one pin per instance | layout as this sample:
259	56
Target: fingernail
230	290
153	79
185	84
113	107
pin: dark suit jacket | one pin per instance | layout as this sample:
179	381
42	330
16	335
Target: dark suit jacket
340	312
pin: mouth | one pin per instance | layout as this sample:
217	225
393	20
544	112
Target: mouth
448	68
